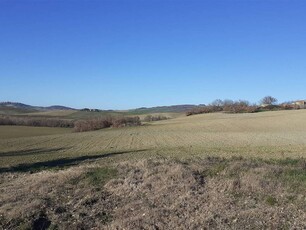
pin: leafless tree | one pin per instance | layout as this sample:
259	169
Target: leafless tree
269	100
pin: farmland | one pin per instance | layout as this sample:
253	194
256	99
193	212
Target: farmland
8	132
224	152
267	135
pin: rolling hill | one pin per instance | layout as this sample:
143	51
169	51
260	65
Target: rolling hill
16	107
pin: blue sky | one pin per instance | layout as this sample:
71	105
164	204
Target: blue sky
135	53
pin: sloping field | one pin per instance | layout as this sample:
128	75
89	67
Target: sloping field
269	135
51	113
7	132
183	173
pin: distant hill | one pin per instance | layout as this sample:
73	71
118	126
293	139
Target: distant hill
165	109
58	107
16	107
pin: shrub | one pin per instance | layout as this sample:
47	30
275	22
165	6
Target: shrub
227	105
126	121
240	107
99	176
286	106
155	118
93	124
204	109
101	123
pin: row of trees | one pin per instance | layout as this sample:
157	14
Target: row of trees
79	126
268	100
240	106
235	107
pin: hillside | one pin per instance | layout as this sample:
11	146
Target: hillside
12	108
164	109
223	171
21	108
263	134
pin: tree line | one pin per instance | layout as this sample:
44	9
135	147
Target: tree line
241	106
101	123
79	125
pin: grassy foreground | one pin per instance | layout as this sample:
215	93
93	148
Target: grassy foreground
211	193
213	171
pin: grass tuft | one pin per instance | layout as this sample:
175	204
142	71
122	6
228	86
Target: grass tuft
271	200
99	176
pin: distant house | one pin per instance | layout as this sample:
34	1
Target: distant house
300	104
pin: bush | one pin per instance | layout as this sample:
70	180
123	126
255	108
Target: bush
79	126
205	109
287	106
229	106
240	107
102	123
126	121
155	118
93	124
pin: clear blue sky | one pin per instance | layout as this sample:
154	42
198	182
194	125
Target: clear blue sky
134	53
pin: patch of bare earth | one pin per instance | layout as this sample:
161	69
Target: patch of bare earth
210	193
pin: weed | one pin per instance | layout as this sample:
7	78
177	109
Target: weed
297	175
271	200
215	169
99	176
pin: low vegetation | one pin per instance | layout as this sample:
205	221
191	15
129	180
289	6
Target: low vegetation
67	199
100	175
150	118
101	123
161	193
241	106
79	125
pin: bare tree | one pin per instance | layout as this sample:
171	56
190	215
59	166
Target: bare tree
269	100
217	102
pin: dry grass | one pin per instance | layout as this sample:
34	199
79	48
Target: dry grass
207	193
65	199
